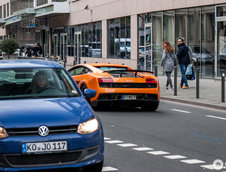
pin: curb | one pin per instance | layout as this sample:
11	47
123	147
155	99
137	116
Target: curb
194	103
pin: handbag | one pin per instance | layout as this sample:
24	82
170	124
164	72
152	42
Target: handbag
175	62
190	74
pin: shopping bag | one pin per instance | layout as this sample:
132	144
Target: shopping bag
190	74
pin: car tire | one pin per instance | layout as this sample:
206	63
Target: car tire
151	107
94	168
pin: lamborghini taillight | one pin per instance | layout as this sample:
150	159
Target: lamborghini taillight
151	81
100	80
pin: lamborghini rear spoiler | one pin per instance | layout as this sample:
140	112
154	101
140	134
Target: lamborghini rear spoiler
120	72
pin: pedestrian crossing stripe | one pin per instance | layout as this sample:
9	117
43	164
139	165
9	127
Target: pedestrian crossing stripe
109	169
193	161
114	141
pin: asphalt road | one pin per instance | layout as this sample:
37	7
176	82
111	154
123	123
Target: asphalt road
176	138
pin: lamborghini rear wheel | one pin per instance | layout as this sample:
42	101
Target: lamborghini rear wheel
151	107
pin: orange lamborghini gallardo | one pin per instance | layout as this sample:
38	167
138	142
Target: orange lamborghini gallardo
118	84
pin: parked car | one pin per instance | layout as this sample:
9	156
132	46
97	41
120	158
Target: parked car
117	84
45	120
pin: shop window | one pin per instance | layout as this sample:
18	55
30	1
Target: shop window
169	26
180	25
119	38
157	32
91	44
207	41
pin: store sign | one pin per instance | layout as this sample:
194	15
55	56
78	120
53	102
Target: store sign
33	22
27	23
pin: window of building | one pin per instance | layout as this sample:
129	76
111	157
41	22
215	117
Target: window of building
0	12
7	9
180	24
221	11
59	0
91	39
195	25
70	44
119	38
88	35
207	41
42	2
157	32
169	26
4	11
16	5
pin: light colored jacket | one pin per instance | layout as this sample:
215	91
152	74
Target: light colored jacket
168	61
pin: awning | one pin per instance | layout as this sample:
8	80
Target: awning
52	9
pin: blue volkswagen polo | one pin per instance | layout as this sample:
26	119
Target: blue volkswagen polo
45	121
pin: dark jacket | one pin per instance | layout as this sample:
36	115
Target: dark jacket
182	54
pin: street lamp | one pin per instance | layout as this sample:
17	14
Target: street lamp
91	12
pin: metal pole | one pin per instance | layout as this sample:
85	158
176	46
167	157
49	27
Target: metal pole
175	80
222	85
197	83
156	70
65	61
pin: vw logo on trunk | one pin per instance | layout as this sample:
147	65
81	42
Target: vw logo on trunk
43	131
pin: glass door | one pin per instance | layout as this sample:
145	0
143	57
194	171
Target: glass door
148	47
78	48
63	47
55	45
221	47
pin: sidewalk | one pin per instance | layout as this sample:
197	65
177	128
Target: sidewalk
209	93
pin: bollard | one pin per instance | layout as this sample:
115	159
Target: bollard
156	70
197	83
65	61
175	80
222	86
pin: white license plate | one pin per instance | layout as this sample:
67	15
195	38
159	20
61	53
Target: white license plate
41	147
129	97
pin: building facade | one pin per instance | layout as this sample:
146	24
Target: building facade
127	32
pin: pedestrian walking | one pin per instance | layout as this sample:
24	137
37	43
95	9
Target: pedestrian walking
184	61
168	62
40	49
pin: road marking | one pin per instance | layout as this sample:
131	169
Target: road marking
175	157
172	157
143	149
114	141
158	153
207	137
210	167
216	117
109	169
126	145
192	161
178	110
